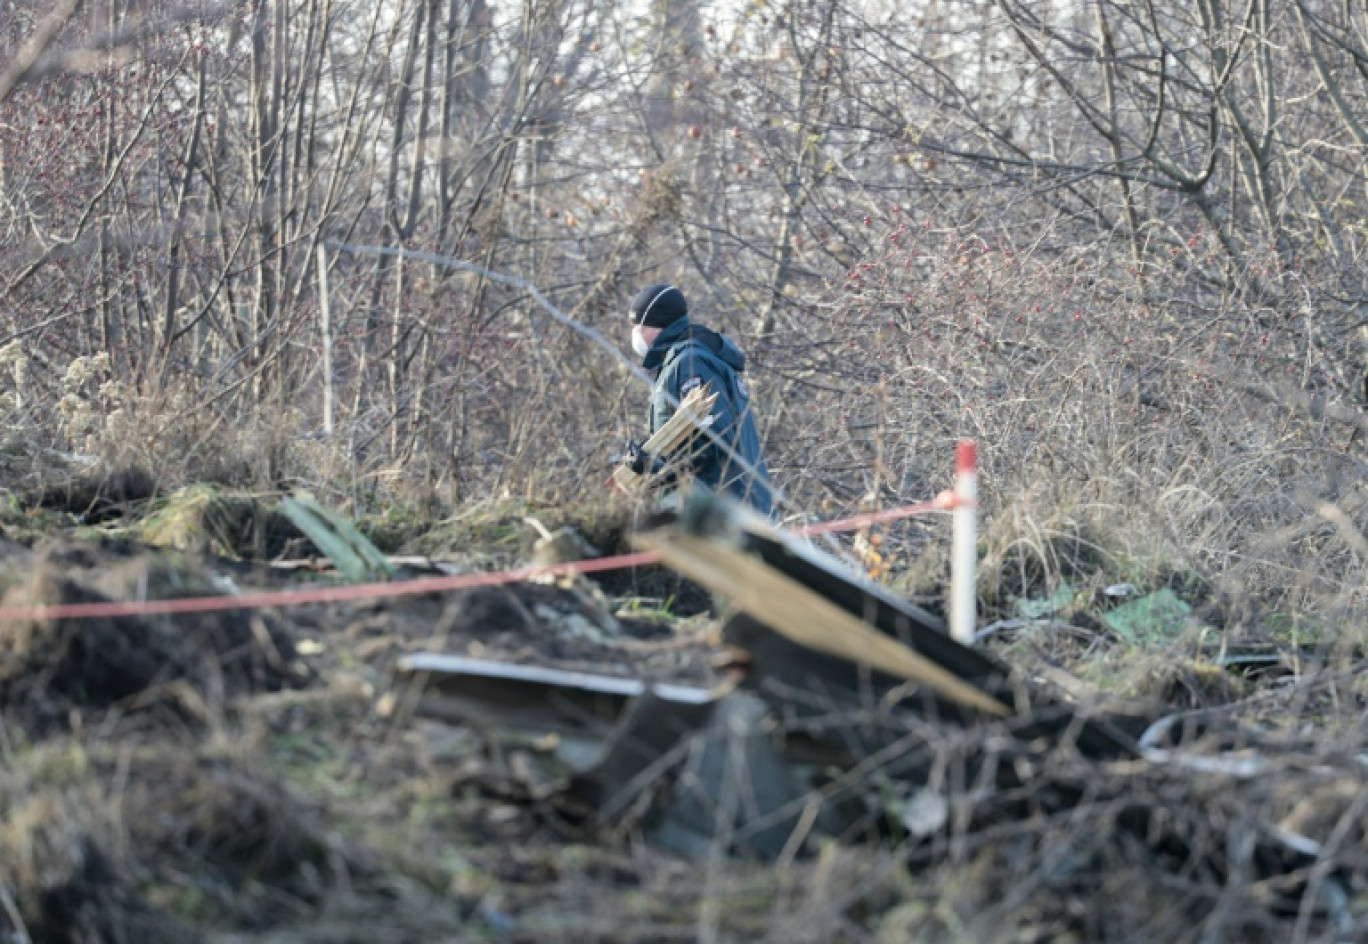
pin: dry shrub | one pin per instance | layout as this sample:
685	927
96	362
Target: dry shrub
1116	422
1051	887
180	436
95	495
1028	557
66	887
186	440
1131	852
72	894
143	447
1183	683
218	814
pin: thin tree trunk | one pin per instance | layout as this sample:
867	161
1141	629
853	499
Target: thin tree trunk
325	327
172	298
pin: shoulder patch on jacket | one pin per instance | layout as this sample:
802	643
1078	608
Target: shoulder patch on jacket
693	383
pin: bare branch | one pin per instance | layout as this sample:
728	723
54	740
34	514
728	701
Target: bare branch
37	44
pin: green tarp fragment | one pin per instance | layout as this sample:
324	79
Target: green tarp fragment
1158	615
355	558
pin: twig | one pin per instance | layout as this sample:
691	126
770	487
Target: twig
17	927
42	37
1313	405
1348	531
113	42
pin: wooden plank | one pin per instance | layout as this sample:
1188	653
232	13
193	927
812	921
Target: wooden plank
807	617
817	602
680	430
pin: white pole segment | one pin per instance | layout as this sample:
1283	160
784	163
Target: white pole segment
964	545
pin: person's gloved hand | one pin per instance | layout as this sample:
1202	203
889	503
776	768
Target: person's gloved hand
638	459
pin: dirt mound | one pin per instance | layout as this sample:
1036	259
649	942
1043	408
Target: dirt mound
91	663
96	496
230	524
193	661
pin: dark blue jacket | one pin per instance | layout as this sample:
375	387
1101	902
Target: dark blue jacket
685	356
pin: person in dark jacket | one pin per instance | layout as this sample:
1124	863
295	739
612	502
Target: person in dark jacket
681	356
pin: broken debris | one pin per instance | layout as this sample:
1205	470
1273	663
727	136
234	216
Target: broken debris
859	718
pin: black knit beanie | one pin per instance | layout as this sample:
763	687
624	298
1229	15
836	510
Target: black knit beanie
656	306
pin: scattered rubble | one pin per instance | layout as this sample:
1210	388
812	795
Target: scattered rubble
823	761
857	717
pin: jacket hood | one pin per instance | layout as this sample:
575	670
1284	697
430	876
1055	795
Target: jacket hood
731	354
684	331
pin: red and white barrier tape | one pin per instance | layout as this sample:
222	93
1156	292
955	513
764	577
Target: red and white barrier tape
946	501
360	591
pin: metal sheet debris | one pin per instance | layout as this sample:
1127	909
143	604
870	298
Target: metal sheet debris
607	730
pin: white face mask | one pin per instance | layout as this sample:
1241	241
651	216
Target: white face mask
639	344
